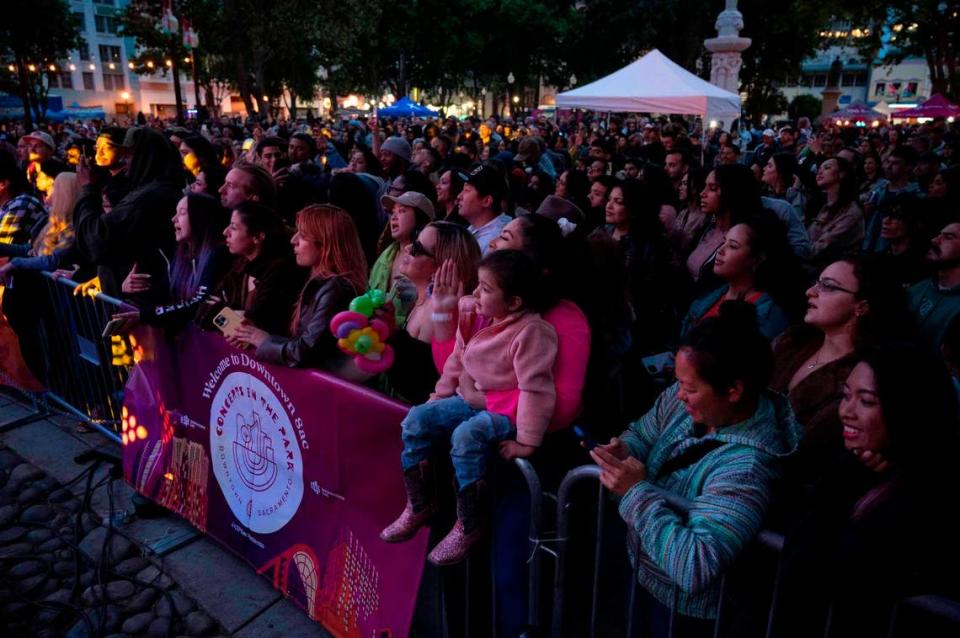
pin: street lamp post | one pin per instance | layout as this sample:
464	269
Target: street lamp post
510	81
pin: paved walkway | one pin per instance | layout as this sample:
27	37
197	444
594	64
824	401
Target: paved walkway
65	571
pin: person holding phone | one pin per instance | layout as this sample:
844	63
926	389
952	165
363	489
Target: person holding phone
717	438
326	243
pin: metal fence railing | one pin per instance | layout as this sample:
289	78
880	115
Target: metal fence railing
565	617
86	372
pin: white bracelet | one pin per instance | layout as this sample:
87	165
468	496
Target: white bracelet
441	317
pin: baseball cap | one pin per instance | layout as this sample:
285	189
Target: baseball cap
42	137
769	133
412	199
487	180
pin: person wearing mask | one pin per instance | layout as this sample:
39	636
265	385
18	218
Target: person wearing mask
480	201
326	243
838	229
137	230
936	301
716	438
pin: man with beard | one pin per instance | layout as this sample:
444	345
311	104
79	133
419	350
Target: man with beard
936	301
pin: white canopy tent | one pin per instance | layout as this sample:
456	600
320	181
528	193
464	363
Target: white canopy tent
654	84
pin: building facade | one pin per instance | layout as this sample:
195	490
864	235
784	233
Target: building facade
100	74
872	81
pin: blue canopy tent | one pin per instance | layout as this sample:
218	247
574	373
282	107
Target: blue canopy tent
405	107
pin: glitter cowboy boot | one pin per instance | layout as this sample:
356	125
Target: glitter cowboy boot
420	506
469	528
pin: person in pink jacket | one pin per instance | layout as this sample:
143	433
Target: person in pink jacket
496	387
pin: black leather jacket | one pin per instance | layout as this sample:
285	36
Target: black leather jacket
313	345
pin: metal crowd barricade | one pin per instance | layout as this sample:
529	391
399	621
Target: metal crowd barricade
86	371
766	538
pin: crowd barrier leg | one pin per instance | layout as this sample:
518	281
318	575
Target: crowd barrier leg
86	376
574	476
535	490
944	611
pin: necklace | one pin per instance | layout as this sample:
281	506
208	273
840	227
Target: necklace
815	363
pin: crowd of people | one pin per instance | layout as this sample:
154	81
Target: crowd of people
762	322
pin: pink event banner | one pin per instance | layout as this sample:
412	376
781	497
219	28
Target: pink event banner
296	471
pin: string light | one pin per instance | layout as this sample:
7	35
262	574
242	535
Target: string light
169	62
73	67
11	68
112	66
93	67
149	64
131	65
187	60
31	67
53	67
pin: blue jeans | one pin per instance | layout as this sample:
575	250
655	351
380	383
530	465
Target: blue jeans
470	431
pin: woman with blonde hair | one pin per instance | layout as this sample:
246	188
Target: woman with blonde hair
25	305
56	235
326	242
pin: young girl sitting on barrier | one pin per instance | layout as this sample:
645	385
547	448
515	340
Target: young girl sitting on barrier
496	387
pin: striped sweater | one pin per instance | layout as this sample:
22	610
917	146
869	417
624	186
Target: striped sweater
729	489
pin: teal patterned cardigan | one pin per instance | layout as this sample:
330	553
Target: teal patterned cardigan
729	489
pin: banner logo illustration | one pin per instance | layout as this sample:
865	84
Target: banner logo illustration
257	460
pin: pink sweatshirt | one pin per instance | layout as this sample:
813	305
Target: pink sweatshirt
570	368
505	368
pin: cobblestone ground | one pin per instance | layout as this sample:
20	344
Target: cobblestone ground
63	573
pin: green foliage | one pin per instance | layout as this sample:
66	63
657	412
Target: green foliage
929	29
38	32
805	106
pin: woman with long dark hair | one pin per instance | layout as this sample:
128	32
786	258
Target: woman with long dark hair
264	282
729	194
838	228
855	303
757	266
200	262
873	524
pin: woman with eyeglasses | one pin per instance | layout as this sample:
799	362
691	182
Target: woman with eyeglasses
854	303
409	212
